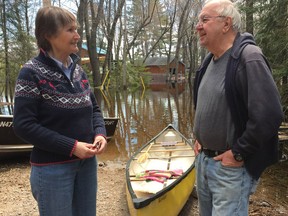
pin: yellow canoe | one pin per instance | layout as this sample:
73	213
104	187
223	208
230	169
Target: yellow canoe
160	176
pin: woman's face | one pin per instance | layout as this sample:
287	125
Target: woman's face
65	41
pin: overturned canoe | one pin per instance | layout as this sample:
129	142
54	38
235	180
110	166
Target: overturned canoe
160	176
9	142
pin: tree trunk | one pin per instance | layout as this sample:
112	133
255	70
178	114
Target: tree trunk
6	52
46	3
249	16
80	19
93	55
111	36
181	33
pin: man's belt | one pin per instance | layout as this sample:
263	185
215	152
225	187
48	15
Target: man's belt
211	153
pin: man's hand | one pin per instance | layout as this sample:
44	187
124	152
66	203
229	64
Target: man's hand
227	159
197	147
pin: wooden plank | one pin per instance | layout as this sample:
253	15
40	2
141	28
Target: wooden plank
283	132
158	144
283	137
169	150
176	156
283	127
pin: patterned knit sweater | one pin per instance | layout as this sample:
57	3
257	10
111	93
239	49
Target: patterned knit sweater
52	112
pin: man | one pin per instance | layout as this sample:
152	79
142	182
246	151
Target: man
238	113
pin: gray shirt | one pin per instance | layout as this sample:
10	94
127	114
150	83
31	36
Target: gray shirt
213	126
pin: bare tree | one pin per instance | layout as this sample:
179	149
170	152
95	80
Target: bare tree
6	50
91	38
46	3
110	33
16	41
80	18
144	21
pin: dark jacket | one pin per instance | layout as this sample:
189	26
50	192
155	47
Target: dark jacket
254	103
52	112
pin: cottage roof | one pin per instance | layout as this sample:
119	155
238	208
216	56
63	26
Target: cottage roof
157	61
98	50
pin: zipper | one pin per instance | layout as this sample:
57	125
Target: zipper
72	69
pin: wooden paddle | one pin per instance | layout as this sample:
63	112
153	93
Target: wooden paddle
142	158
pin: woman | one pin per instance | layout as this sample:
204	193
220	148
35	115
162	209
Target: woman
56	111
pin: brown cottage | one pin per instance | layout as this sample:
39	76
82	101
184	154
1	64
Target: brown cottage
85	60
161	72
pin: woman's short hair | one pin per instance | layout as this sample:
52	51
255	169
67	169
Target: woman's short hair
227	8
49	20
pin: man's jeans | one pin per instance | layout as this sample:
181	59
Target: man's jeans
65	189
222	191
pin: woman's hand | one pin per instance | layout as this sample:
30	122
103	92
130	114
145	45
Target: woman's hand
99	144
84	150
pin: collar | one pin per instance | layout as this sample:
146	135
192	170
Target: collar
73	58
61	65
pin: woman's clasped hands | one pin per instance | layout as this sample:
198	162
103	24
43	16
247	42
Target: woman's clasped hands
86	150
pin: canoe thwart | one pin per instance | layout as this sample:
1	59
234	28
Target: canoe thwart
170	150
170	157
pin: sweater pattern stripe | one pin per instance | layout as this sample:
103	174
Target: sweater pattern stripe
47	87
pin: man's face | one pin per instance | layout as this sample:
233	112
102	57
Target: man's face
210	26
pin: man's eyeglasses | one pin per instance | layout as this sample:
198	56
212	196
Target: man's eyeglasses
205	19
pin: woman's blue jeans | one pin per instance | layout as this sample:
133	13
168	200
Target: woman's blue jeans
67	189
222	191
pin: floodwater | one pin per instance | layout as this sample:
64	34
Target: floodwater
143	114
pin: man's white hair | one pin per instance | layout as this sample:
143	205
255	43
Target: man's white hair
228	9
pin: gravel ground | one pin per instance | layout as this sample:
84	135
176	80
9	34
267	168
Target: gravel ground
16	198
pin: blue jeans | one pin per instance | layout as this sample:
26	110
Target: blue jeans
66	189
222	191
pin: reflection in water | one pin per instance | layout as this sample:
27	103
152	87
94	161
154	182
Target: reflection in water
143	115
